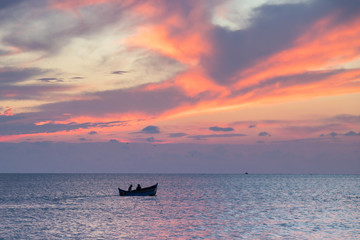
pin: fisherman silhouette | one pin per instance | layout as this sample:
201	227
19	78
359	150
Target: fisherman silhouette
138	187
130	187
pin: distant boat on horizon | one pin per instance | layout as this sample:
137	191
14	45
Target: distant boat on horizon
148	191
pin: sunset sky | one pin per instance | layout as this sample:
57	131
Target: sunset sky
257	73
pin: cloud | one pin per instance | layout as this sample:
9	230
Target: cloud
119	72
92	132
220	129
237	50
9	3
204	137
153	102
311	129
58	28
150	139
273	29
290	83
264	134
254	124
153	140
352	133
50	80
9	76
150	130
11	89
13	126
10	118
113	141
19	128
333	134
348	118
177	135
7	111
277	56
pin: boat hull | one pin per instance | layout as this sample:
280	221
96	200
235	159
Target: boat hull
149	191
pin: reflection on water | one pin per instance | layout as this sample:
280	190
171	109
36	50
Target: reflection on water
187	206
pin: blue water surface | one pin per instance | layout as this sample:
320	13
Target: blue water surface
187	206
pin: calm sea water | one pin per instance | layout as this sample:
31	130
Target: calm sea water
87	206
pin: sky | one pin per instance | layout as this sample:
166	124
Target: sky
267	86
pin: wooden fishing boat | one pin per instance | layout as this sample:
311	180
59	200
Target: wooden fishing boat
148	191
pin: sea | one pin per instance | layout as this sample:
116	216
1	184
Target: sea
187	206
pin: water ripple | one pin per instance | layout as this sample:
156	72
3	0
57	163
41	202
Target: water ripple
186	207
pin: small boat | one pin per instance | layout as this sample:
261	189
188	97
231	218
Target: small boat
148	191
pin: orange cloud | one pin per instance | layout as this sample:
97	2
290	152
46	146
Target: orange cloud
44	135
342	83
323	46
195	81
185	48
8	112
176	37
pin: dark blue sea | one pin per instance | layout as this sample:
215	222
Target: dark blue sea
187	206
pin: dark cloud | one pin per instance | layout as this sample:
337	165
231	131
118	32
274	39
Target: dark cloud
92	133
82	139
119	72
10	118
352	133
204	137
153	140
113	141
9	88
220	129
10	76
252	124
77	78
128	100
150	130
264	134
333	134
26	127
176	135
9	3
150	139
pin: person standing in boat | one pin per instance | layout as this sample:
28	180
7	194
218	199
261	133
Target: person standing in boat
130	187
138	187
